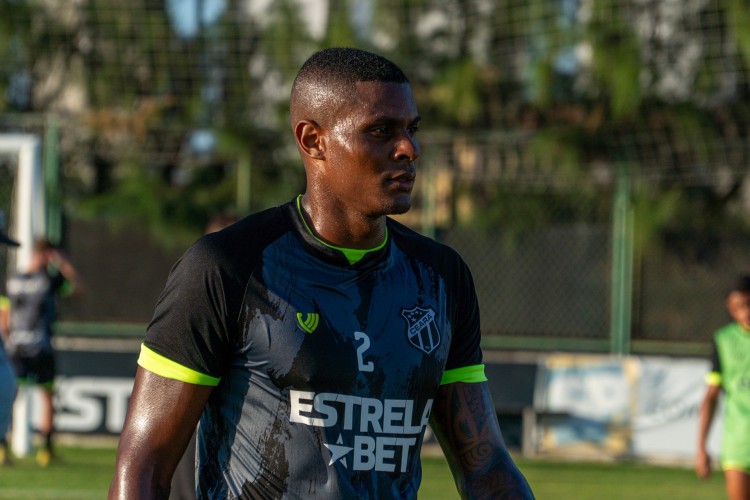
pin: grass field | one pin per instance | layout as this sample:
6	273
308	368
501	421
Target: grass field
85	473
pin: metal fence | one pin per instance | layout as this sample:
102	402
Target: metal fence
554	288
561	251
567	261
542	249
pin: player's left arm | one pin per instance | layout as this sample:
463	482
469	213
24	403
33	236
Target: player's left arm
74	285
464	421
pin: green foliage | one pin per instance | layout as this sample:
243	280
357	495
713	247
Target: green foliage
541	82
738	19
559	149
617	64
175	216
455	93
340	32
518	212
286	38
515	66
14	47
653	212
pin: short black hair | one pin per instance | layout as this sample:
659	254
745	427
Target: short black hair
329	76
740	284
349	65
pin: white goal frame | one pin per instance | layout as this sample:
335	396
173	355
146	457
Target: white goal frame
28	222
28	217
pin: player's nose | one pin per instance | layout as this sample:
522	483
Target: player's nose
407	148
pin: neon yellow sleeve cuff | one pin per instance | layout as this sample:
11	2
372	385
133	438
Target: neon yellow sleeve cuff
713	378
167	368
468	374
4	303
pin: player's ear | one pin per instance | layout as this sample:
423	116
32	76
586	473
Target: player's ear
309	139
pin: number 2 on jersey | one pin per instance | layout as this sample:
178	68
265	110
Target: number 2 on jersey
363	367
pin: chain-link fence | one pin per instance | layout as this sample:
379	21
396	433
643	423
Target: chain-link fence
540	248
169	111
544	248
552	286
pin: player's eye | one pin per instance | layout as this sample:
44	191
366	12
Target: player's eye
380	131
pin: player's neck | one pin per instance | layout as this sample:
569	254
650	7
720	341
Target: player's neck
341	227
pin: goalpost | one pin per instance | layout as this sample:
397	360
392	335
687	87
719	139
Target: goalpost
27	221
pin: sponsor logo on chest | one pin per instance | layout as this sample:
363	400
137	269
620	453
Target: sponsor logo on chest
382	435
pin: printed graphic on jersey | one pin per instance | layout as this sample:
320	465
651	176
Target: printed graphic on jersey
380	435
338	452
364	348
310	323
421	329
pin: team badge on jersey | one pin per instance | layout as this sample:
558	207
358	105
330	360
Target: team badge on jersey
421	329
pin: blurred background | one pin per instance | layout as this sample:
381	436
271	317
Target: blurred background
588	158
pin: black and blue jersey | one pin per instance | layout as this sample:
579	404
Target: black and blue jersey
325	363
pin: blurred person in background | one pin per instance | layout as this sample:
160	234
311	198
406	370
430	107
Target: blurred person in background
7	376
730	374
32	294
316	340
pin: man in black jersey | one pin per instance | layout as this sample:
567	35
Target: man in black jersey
315	341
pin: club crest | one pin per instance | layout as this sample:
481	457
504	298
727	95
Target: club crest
421	329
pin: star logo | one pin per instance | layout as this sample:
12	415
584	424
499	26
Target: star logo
338	452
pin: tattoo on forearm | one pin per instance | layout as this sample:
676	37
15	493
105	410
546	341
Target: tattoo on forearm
469	428
474	435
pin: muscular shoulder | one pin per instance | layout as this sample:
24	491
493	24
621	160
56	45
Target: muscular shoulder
430	252
236	248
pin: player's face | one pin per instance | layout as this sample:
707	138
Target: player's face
372	151
738	305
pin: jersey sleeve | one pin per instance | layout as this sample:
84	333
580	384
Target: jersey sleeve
713	377
464	362
190	333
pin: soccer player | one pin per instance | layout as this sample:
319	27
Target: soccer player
730	374
316	340
32	293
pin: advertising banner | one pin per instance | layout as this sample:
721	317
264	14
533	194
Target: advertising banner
611	407
667	404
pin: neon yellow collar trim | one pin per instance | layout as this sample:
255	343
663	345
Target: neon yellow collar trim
353	255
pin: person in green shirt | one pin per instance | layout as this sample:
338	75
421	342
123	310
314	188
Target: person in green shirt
730	374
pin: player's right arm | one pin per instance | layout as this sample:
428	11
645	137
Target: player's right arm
707	412
162	416
706	417
182	358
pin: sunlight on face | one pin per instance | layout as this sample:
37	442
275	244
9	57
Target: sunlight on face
371	149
